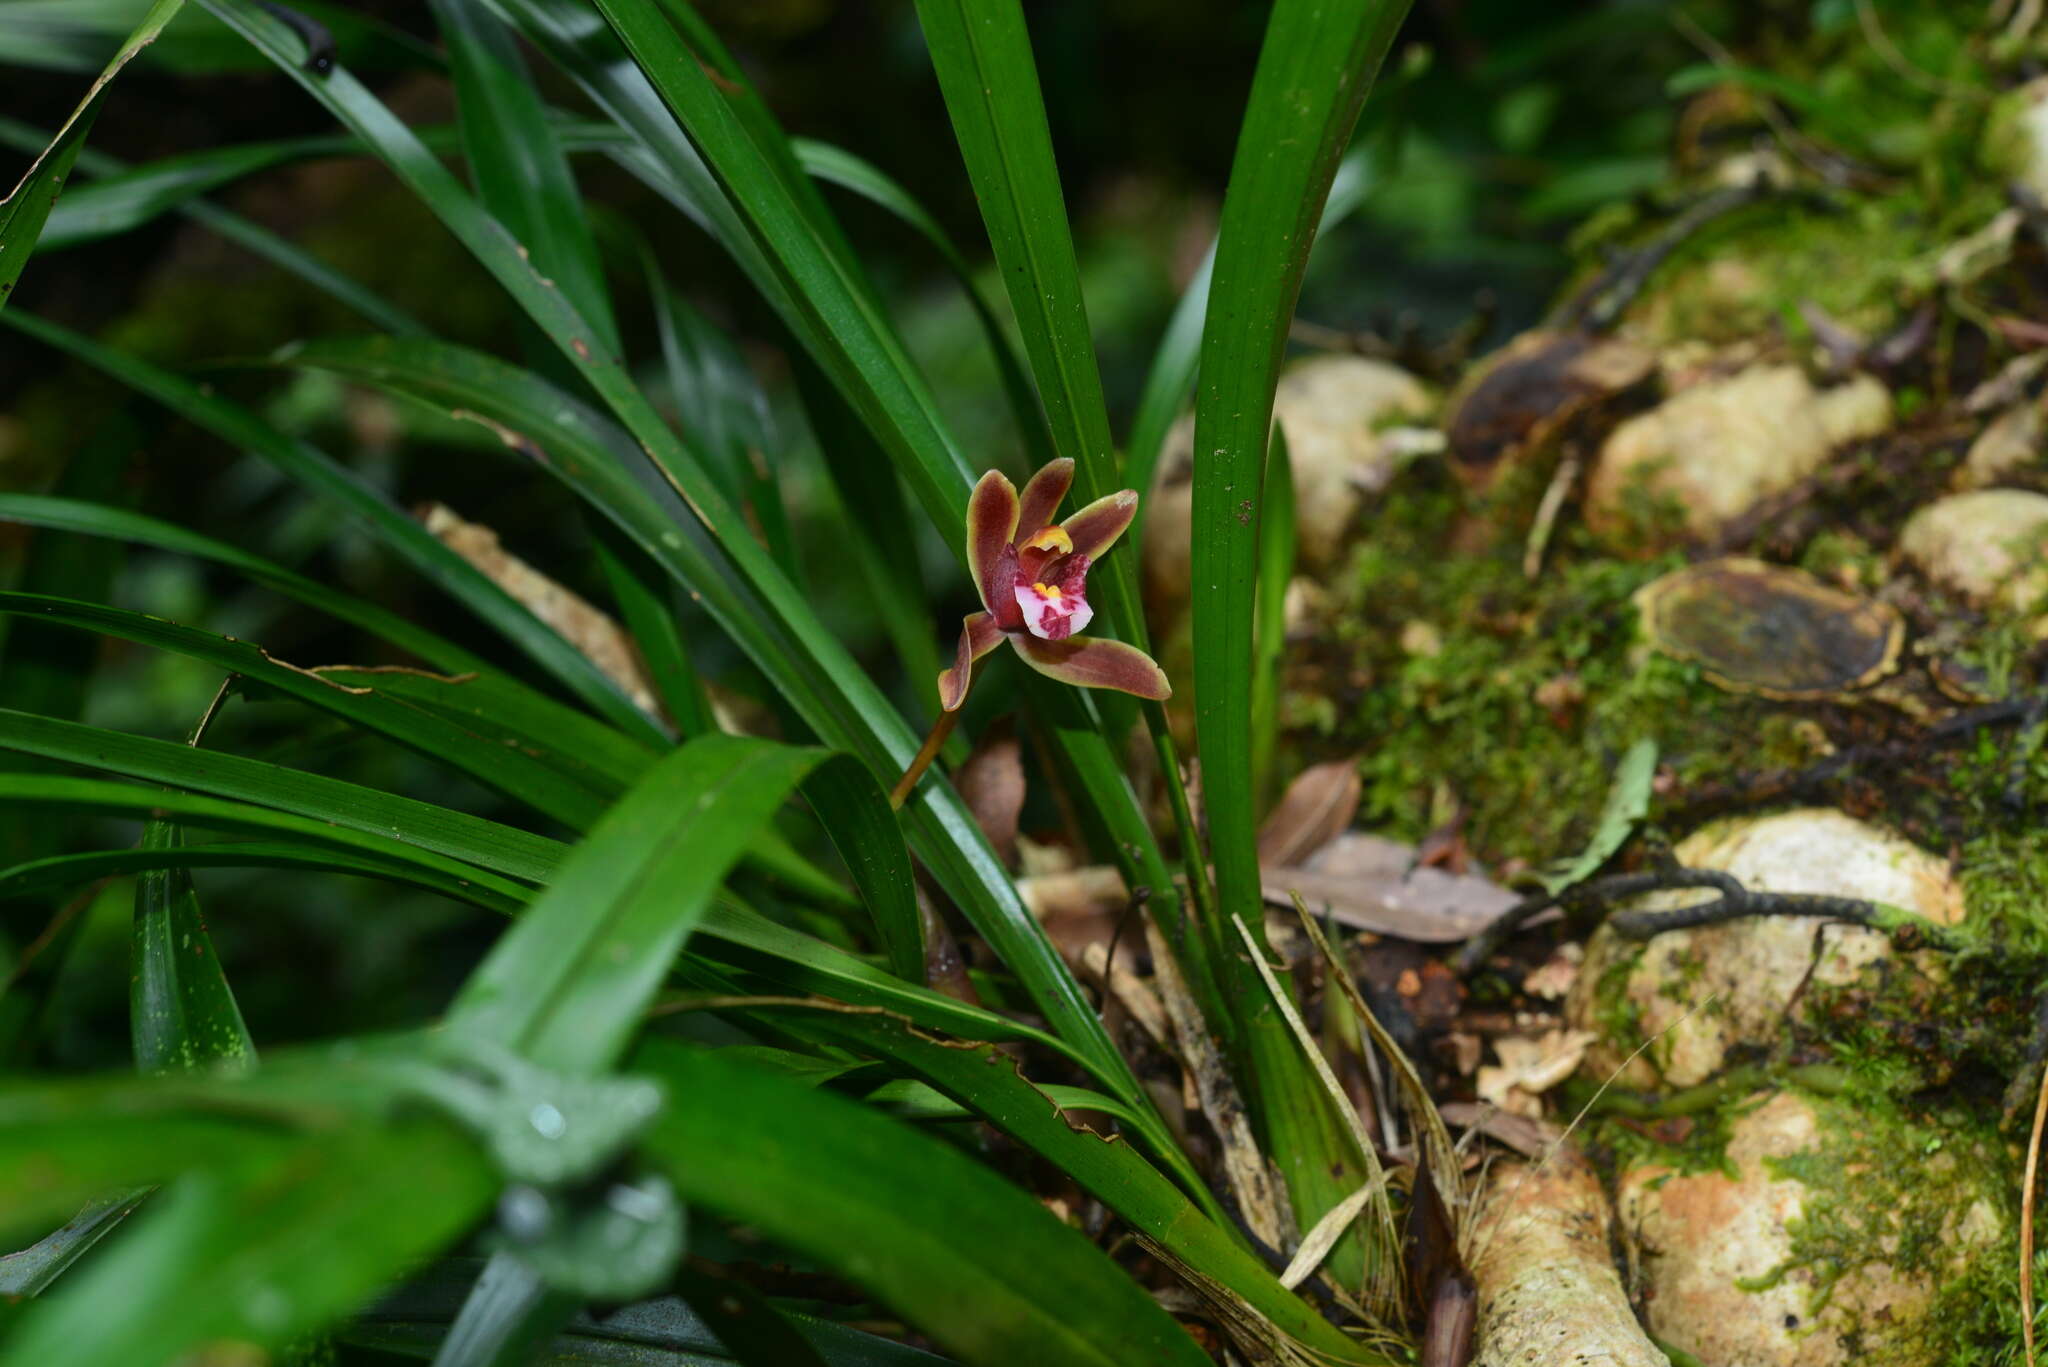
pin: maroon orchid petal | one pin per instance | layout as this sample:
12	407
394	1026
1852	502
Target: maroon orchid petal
1046	547
979	634
1042	496
1071	575
1096	662
1096	527
999	594
991	524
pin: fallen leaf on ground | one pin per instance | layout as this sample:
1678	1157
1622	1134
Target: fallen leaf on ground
1370	883
991	782
1555	976
1531	1137
1314	810
1530	1067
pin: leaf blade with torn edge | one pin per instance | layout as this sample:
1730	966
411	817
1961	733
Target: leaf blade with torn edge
27	208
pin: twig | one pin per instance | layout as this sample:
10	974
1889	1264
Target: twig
1734	903
1561	482
212	710
1578	897
1603	299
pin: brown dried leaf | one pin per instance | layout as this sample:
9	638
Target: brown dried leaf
1529	1137
1260	1197
574	618
992	783
1530	1067
1370	883
1317	806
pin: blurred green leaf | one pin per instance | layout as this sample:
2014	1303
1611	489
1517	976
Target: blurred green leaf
970	1260
403	821
390	525
1171	377
837	166
24	211
1315	67
264	1251
657	1333
567	986
75	35
92	519
64	871
182	1014
982	54
563	786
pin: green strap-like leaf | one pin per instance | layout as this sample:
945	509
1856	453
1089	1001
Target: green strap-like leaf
968	1259
566	988
981	51
391	525
421	825
1315	67
120	524
1171	377
263	1253
550	786
72	870
837	166
1141	1196
1276	567
23	212
836	698
182	1014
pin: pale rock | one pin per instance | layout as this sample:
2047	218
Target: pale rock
1717	449
1696	994
1986	545
1717	1257
1333	409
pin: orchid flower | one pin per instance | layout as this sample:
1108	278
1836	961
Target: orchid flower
1032	574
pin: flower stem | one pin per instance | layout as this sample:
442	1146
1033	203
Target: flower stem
933	743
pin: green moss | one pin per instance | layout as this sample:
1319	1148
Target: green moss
1516	695
1941	1178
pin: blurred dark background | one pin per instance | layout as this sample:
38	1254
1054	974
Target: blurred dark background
1497	125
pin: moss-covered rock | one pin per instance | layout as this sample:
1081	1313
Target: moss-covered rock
1676	1009
1837	1233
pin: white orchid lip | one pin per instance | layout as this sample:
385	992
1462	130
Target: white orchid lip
1050	614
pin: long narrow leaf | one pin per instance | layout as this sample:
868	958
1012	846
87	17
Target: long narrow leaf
981	51
550	786
422	825
846	711
27	208
182	1013
837	166
568	985
1315	67
970	1260
264	1254
391	525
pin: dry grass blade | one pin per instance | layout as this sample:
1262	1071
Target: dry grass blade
1383	1274
2027	1220
1316	1245
1261	1200
1415	1097
573	617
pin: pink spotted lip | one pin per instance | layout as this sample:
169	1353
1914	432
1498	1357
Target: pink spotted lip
1032	575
